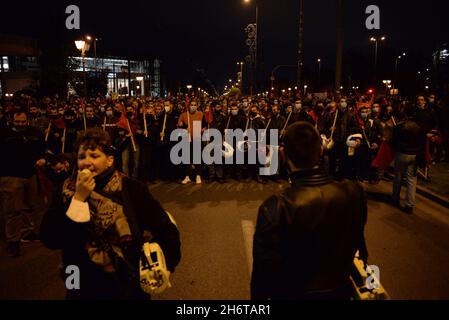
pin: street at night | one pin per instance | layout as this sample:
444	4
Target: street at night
216	222
249	151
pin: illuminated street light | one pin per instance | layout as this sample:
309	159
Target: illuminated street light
83	46
376	41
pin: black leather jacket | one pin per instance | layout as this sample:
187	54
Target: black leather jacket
306	238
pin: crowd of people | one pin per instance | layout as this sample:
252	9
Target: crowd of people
142	143
357	133
330	143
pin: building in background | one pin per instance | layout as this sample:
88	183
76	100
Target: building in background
19	64
441	66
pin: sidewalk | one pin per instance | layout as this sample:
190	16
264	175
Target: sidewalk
436	188
439	179
437	184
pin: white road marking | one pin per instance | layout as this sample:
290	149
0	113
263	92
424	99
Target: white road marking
248	234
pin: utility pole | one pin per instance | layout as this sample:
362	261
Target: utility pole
340	42
300	43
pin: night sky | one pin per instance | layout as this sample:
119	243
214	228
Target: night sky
208	34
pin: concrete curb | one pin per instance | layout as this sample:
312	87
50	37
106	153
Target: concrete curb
423	191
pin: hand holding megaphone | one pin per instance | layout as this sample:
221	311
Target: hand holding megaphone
85	184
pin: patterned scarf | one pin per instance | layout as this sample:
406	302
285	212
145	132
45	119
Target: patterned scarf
108	227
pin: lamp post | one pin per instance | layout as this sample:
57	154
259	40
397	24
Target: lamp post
83	46
319	72
396	70
255	43
94	39
189	86
240	78
376	41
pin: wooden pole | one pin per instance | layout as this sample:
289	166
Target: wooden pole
163	127
48	131
333	126
63	141
145	132
132	136
286	122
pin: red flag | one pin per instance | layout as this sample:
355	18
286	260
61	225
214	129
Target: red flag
384	157
58	123
122	122
208	115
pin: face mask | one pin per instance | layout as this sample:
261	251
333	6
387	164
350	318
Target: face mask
343	105
167	109
298	106
234	112
364	115
431	100
375	110
193	109
102	109
109	113
20	128
61	177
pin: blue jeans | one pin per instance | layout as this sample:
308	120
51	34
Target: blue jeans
125	161
405	167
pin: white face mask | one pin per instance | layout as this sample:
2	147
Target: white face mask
234	112
193	108
109	113
343	105
431	100
167	109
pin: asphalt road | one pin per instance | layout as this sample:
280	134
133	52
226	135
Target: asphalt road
216	223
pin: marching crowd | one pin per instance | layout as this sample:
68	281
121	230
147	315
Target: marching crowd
359	134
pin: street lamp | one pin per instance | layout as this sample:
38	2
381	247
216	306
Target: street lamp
83	46
255	39
376	41
319	71
396	69
189	86
240	74
305	89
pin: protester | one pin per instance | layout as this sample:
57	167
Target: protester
98	219
307	235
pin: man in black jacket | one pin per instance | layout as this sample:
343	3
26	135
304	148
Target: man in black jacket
306	236
409	139
23	147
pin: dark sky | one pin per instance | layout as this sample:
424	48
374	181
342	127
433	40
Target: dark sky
208	34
